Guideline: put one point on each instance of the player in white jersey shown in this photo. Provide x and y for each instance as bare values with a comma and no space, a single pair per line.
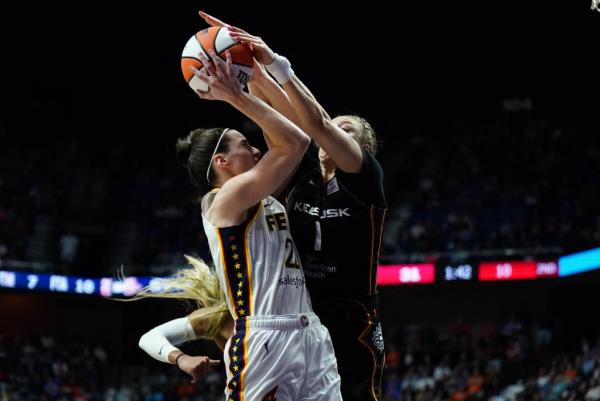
279,348
256,262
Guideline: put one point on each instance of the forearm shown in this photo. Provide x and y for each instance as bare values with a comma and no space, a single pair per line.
173,355
254,89
276,97
160,342
280,132
342,148
310,113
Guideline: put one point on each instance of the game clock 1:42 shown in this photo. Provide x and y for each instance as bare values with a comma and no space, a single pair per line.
463,272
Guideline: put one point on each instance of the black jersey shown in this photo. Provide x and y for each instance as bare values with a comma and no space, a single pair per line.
337,226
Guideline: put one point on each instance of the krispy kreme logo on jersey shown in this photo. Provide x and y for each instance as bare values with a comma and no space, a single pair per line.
324,214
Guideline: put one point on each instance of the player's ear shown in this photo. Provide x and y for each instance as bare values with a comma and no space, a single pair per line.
221,160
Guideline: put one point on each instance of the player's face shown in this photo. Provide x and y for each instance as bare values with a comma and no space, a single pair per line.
241,155
348,125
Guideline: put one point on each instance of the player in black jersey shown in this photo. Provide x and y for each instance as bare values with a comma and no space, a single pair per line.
337,207
337,217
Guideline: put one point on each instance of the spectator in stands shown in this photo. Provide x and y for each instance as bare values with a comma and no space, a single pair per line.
68,246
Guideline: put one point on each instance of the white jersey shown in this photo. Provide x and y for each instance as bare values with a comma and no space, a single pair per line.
257,263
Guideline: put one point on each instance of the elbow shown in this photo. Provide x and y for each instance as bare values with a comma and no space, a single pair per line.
297,140
300,143
303,142
143,342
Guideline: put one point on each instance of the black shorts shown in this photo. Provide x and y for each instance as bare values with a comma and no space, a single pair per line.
358,343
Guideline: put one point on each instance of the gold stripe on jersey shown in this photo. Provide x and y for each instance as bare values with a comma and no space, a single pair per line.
224,264
227,360
245,359
235,258
372,391
372,246
238,357
377,219
248,261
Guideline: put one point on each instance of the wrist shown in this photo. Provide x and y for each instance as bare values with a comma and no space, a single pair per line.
177,359
258,80
271,56
280,69
234,99
240,100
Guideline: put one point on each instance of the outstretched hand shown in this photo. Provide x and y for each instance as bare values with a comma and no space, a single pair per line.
196,366
262,53
259,73
218,76
212,21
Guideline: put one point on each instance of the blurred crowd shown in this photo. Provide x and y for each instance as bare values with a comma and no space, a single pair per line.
513,359
521,181
517,180
67,369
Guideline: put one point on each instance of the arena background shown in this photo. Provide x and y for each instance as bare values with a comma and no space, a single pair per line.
488,116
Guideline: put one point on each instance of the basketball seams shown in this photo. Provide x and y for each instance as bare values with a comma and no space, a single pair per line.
201,47
226,48
214,37
195,59
214,46
229,47
215,40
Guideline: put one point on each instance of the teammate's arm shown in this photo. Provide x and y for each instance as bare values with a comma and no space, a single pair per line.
160,343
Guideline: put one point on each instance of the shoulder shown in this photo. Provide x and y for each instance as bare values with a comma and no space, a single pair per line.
367,184
370,166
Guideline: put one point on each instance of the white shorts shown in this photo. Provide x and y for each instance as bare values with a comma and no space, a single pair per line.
283,358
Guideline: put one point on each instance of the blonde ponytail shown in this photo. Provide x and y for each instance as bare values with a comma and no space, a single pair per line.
198,284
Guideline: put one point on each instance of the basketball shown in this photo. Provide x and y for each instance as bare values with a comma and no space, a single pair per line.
219,40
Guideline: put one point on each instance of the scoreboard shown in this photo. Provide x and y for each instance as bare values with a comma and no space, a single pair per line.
105,286
400,274
397,274
491,271
485,271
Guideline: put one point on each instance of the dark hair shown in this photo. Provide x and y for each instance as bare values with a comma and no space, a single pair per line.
194,152
368,139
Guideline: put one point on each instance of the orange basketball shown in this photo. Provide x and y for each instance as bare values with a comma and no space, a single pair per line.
217,39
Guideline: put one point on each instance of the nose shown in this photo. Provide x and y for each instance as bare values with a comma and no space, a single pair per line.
256,153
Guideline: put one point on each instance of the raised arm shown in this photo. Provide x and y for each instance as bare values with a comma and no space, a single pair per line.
261,84
307,112
287,141
340,146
